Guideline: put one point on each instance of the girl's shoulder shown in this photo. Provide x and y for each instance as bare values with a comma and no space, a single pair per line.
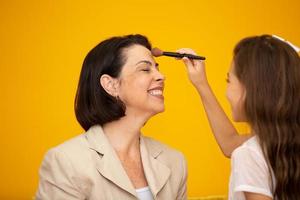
251,146
249,154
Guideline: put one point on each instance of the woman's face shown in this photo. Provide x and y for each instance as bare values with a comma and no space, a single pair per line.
141,84
235,94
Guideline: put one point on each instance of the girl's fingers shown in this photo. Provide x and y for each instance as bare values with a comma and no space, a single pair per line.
189,63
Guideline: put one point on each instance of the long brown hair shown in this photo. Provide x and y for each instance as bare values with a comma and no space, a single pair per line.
269,69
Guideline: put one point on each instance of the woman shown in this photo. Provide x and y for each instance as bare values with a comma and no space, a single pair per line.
264,91
119,90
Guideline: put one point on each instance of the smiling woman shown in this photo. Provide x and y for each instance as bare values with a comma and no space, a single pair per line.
120,88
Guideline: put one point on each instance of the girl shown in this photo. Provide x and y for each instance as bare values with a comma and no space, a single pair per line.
264,91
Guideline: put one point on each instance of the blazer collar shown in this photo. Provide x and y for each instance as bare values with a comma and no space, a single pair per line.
111,168
157,173
108,163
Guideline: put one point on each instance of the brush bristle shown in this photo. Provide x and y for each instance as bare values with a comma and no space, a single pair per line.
156,52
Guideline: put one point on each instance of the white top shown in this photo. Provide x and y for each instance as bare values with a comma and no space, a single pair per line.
249,171
144,193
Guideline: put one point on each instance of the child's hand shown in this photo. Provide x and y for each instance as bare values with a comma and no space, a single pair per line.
195,68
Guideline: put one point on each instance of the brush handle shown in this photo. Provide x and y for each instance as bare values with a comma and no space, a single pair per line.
179,55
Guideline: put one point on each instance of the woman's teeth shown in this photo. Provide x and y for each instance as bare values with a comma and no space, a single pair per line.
156,92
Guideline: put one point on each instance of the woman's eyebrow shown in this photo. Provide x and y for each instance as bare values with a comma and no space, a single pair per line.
147,62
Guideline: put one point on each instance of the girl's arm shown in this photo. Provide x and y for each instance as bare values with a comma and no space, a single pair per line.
224,132
254,196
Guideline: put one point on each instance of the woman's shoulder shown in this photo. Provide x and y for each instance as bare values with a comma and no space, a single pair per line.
74,150
77,143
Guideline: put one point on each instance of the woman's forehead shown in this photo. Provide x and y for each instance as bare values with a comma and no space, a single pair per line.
136,54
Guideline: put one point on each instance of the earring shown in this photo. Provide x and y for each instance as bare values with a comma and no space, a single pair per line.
118,98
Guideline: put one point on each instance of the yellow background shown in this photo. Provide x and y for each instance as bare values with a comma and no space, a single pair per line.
43,44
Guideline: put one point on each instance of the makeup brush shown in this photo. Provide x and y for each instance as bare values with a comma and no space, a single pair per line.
157,52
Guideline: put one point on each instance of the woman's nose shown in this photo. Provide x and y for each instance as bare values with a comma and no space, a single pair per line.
159,76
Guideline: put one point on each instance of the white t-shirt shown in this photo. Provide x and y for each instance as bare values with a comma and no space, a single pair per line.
144,193
249,171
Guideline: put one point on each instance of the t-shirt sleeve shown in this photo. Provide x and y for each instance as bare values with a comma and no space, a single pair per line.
249,173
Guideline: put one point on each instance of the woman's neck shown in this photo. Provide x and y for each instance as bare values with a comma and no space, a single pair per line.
124,134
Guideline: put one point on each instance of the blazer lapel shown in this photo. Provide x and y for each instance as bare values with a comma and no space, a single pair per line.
108,163
156,172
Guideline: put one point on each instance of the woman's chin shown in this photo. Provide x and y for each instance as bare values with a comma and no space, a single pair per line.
158,110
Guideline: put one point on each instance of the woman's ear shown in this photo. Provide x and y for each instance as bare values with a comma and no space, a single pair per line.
109,84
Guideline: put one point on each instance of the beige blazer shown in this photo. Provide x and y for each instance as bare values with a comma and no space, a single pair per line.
87,167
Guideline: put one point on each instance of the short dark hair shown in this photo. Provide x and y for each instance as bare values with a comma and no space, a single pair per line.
93,105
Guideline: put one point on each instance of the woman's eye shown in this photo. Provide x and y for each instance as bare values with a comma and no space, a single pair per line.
146,70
